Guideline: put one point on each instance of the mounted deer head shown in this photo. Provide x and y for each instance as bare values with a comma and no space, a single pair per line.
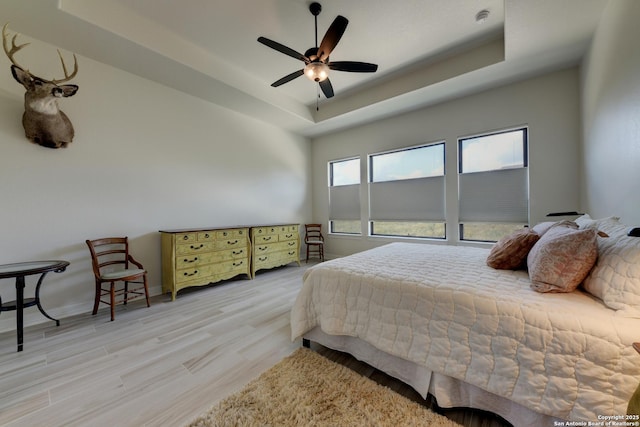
44,123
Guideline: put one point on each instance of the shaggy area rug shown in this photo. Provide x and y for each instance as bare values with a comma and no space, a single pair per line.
306,389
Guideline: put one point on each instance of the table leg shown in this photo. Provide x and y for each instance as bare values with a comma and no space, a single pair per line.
19,308
38,300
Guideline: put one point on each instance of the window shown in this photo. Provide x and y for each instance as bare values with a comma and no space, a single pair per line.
493,184
406,192
344,196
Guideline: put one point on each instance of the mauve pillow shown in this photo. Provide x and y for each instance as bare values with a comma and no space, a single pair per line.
561,259
510,252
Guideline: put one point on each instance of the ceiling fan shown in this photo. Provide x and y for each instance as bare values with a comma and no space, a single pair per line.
316,59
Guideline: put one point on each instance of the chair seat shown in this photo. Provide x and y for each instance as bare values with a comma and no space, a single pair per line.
314,242
115,275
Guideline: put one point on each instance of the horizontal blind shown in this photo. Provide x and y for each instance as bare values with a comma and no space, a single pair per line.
420,199
344,202
494,196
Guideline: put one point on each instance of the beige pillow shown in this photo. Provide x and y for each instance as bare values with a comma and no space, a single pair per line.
615,278
561,259
510,252
606,225
543,227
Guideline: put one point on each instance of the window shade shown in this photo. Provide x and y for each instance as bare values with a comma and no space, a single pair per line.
344,202
420,199
494,196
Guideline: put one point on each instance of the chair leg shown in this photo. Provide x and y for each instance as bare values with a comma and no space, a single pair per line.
96,301
113,301
126,293
321,252
307,260
146,289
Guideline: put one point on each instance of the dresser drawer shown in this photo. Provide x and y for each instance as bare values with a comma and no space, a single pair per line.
195,247
231,234
268,238
198,274
266,248
261,261
274,259
186,238
200,259
288,235
233,265
212,272
264,231
231,243
206,236
194,260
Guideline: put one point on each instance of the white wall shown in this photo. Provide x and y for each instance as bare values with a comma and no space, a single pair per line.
549,105
611,111
144,158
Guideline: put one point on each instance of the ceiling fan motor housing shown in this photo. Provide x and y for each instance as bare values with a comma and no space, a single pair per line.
315,8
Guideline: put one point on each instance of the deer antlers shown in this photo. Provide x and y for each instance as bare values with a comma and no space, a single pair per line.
15,48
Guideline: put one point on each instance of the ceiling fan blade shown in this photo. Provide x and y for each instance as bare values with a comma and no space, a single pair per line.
353,66
288,78
283,49
332,37
326,87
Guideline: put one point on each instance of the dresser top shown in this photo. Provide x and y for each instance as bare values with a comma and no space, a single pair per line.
193,230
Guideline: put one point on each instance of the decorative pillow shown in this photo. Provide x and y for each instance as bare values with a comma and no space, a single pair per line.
510,252
543,227
603,224
615,278
561,259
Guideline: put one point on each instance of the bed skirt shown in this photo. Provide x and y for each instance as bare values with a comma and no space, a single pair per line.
449,392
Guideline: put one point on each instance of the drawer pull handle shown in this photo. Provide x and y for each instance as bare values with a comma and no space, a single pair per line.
206,236
291,252
238,252
266,239
197,247
263,258
191,274
292,243
229,242
289,236
235,264
185,237
263,248
191,260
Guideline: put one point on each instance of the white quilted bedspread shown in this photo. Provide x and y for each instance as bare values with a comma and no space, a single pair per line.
565,355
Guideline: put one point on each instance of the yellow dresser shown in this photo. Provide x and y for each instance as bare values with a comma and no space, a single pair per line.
199,257
274,245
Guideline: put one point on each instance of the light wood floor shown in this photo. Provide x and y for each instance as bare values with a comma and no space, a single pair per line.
163,365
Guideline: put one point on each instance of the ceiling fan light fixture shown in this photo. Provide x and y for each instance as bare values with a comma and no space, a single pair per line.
482,16
316,71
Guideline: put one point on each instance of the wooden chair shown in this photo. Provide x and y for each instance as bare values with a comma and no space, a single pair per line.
112,263
314,240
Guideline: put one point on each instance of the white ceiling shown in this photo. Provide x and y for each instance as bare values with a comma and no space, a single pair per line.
427,50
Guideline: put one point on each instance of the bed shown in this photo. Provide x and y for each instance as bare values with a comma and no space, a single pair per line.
440,319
